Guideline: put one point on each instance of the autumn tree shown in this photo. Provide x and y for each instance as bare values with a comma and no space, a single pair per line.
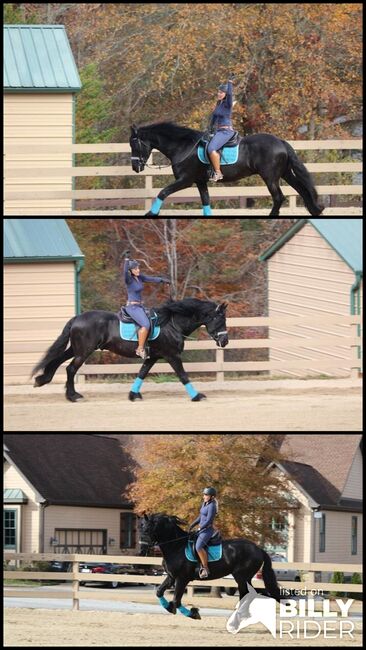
174,469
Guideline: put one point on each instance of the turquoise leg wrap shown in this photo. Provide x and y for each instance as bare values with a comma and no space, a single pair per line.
207,211
163,602
155,208
137,385
184,610
192,392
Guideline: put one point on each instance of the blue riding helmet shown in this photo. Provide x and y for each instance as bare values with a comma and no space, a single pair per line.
133,264
223,88
210,491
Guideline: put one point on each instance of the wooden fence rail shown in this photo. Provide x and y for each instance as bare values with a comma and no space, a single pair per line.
350,341
24,167
76,577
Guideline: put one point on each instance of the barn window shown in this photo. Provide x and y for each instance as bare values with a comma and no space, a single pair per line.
128,530
10,519
354,536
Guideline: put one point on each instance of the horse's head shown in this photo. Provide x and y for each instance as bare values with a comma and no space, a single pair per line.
158,528
140,150
216,325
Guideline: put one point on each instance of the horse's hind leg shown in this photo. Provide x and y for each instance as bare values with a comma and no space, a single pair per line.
71,371
50,369
242,578
277,196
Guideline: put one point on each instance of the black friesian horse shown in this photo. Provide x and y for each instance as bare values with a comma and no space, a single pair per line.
262,154
99,330
240,557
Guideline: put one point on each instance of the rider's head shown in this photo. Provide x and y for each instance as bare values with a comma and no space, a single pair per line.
221,92
134,268
208,493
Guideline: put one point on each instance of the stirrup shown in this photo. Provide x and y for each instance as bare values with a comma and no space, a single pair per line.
141,353
216,176
204,573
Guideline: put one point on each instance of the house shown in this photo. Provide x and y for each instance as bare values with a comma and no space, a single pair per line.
315,270
65,493
42,266
325,471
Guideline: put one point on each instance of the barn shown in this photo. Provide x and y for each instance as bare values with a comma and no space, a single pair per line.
41,290
315,269
40,85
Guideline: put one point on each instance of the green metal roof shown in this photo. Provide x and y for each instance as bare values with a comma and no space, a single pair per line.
14,495
38,58
343,235
39,239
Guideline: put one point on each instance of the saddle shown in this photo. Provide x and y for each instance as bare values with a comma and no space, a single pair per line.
129,328
213,548
229,153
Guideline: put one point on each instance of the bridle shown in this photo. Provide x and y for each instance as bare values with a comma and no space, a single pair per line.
215,337
139,158
142,161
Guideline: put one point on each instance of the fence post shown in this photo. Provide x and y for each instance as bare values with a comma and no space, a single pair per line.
75,588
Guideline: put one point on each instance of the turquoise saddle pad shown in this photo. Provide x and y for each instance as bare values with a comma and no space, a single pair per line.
129,332
214,552
229,155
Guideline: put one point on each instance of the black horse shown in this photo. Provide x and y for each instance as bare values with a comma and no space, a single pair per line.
95,330
262,154
240,557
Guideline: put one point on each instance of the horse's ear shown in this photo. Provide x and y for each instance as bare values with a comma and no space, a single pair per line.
134,129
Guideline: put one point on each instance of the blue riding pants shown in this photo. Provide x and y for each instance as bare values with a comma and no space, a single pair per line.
139,316
221,137
203,538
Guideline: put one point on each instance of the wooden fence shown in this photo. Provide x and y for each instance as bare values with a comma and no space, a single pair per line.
76,577
349,357
20,175
22,353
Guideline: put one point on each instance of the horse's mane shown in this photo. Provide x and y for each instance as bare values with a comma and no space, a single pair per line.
171,518
186,307
172,130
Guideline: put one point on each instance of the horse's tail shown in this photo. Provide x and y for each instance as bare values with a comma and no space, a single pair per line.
269,577
299,178
56,349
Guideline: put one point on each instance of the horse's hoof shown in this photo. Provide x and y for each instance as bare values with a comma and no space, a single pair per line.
75,397
195,613
171,608
39,381
134,396
199,397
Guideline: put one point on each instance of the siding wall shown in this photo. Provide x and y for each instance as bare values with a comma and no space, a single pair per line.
307,277
39,299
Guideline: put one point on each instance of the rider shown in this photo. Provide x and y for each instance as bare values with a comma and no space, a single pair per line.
205,520
221,123
135,283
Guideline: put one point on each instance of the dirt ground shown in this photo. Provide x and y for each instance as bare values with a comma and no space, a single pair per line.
282,405
39,627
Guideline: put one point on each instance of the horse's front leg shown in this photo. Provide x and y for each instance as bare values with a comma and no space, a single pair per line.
180,585
167,584
177,365
205,198
144,371
179,184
